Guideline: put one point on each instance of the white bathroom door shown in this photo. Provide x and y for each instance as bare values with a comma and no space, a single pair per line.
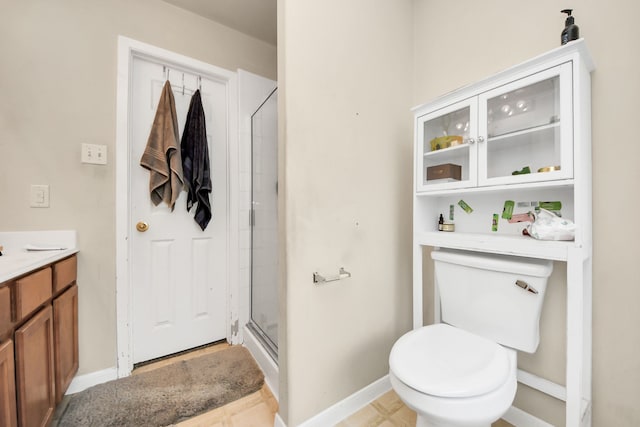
178,272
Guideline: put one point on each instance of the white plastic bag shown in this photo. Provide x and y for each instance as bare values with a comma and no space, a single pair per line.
549,226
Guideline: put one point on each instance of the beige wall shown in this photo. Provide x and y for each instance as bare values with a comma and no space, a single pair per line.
463,41
345,70
58,86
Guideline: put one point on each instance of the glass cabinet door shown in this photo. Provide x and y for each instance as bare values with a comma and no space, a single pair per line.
525,130
447,156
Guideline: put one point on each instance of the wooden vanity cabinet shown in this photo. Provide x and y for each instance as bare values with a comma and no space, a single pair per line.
38,343
8,416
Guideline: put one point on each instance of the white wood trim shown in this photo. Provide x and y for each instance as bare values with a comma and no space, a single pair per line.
83,382
538,383
519,418
575,336
418,316
127,50
350,405
278,422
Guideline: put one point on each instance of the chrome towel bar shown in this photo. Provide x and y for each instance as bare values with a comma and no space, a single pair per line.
342,274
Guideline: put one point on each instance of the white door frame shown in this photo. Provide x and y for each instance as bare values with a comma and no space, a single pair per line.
127,50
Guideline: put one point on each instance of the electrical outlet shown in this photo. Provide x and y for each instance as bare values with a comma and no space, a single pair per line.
39,197
94,154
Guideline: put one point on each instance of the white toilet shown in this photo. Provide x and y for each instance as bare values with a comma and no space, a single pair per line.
463,372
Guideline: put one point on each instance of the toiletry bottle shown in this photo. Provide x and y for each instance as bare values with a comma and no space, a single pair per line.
440,222
571,30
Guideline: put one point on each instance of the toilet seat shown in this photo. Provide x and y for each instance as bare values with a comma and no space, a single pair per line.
441,360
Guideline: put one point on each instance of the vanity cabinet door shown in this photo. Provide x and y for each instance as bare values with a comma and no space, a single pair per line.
526,129
446,147
65,336
34,370
7,386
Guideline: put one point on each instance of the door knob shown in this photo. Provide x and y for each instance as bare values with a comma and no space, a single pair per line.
142,226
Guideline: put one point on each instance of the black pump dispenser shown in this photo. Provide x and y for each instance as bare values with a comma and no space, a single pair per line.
571,30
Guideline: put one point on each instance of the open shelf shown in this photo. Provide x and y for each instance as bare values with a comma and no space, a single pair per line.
502,187
445,151
527,131
499,244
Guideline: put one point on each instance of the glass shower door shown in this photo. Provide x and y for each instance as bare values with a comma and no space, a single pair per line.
264,223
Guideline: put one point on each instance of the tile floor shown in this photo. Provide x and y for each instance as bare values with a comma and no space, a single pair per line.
389,411
258,409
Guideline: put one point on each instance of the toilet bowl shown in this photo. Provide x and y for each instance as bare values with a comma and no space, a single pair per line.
452,377
462,372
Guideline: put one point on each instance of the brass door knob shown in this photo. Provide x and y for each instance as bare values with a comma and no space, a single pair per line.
142,226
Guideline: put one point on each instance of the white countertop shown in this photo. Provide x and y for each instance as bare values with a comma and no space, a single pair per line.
17,260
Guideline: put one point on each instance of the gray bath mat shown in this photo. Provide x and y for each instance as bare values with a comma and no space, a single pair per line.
167,395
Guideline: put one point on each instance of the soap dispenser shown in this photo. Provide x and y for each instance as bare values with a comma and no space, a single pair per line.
571,30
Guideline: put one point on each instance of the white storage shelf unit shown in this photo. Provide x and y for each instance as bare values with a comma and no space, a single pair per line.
550,125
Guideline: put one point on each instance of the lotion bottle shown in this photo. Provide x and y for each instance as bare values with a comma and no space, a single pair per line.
571,30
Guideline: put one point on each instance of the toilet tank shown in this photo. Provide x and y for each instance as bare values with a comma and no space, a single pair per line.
496,296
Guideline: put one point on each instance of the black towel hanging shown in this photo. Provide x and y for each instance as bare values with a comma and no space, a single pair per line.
195,162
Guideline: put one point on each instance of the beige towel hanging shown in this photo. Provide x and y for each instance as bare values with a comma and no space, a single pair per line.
162,154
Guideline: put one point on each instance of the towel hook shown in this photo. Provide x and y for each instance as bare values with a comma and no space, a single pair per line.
183,83
200,83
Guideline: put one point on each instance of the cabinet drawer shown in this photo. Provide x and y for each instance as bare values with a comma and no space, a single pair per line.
32,291
64,273
6,317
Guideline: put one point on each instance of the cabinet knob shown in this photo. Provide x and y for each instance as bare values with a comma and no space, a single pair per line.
481,139
471,141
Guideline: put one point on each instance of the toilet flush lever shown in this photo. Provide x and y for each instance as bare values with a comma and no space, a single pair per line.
524,285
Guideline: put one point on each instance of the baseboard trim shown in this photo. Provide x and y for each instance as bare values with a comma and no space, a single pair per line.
350,405
518,417
264,360
83,382
277,422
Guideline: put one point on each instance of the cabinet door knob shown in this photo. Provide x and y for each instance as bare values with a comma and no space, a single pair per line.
481,139
471,141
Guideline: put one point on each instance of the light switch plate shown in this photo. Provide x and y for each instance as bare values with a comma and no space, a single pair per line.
39,197
94,154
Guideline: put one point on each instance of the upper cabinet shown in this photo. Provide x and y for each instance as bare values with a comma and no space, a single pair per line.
521,136
514,128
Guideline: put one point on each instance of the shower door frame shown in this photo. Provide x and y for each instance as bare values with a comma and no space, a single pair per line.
270,347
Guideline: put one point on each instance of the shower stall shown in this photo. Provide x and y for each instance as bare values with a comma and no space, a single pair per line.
263,321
